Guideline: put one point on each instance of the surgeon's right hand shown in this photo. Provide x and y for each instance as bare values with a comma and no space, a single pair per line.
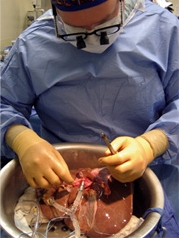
42,164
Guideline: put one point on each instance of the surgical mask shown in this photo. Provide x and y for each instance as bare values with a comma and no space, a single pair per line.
92,41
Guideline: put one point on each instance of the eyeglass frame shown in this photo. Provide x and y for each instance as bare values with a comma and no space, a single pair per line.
85,33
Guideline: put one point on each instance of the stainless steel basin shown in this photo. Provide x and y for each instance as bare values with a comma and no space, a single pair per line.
148,192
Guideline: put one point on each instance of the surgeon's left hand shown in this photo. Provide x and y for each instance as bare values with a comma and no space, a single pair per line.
134,154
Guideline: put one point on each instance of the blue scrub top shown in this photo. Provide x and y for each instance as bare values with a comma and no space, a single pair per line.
131,88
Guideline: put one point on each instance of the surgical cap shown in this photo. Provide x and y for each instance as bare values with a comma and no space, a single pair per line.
75,5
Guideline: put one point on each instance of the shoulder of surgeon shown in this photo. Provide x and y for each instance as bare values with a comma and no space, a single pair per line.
152,8
43,24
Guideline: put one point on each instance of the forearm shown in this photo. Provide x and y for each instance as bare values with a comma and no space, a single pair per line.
168,123
20,138
12,132
157,140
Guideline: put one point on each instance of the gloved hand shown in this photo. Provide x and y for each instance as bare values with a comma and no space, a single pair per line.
42,164
134,154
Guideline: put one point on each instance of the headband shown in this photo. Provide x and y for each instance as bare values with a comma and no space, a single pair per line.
75,5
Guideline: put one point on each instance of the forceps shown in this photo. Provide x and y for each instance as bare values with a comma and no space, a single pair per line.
104,137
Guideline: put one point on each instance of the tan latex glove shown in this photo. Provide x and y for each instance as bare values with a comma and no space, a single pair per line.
134,154
42,164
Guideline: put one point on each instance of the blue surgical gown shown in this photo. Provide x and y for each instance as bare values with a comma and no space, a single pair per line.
129,89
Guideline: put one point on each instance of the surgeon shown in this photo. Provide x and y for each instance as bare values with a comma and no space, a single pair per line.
87,67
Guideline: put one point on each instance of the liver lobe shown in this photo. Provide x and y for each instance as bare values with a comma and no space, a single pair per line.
106,205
